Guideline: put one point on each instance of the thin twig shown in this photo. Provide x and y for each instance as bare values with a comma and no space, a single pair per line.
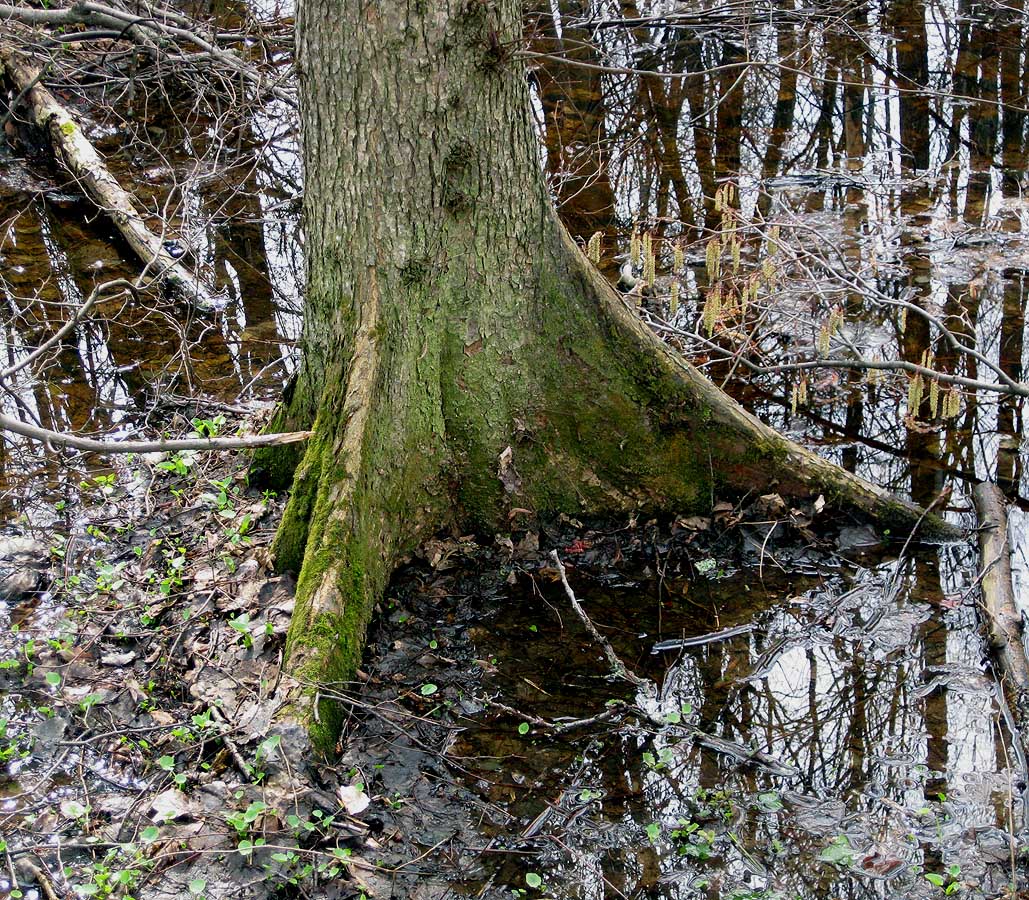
618,668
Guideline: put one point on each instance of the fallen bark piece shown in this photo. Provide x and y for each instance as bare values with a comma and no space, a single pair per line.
1004,619
76,154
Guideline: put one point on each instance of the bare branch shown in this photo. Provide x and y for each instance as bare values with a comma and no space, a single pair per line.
91,445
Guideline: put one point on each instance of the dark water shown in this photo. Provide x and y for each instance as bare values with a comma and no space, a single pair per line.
859,746
137,363
864,157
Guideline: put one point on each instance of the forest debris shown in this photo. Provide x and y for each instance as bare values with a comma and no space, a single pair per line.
618,668
1004,620
115,447
700,640
118,659
75,152
648,703
507,473
22,560
354,799
172,804
745,754
151,32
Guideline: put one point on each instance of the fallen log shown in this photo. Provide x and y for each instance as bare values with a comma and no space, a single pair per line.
80,158
1004,621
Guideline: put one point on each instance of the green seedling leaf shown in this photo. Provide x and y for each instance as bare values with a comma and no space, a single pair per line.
839,852
769,801
268,746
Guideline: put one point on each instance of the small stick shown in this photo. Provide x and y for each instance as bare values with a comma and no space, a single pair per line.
221,723
12,872
39,876
618,668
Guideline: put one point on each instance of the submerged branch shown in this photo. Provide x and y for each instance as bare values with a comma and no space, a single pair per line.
67,327
618,668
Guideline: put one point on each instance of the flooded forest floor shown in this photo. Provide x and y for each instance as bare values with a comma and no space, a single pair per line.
807,707
816,730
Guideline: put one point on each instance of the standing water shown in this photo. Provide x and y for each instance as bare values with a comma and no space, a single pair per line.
814,185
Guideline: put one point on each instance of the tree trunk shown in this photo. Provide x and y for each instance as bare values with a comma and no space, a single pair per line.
463,362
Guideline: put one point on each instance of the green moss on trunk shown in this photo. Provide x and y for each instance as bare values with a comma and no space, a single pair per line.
450,317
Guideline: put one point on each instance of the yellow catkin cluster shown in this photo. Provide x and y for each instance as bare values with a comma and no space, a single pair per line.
634,248
934,398
951,404
712,309
649,260
822,343
828,329
593,248
902,320
673,300
678,260
916,387
798,396
755,287
713,258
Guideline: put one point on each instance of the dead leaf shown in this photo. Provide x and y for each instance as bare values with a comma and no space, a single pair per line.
528,545
694,523
161,717
354,800
771,505
507,473
117,659
172,804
